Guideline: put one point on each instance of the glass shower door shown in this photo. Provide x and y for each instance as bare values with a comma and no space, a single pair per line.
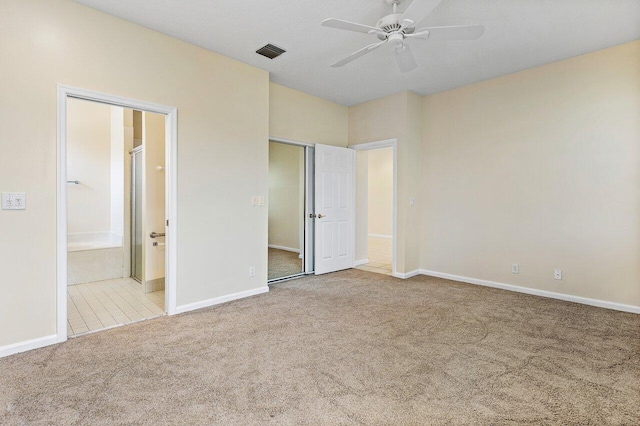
136,214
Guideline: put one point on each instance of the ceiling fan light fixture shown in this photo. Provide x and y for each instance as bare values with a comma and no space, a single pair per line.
399,48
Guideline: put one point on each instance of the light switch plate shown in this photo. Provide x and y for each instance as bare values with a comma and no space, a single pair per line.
14,201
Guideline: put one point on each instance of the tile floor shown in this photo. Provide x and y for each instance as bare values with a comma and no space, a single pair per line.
102,304
379,253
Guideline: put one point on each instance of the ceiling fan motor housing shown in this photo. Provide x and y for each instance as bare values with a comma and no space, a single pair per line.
390,24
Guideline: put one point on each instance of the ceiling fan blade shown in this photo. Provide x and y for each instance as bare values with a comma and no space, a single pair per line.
417,11
405,58
350,26
357,54
459,32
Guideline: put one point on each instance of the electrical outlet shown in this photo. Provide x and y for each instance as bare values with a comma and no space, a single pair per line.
412,201
14,201
252,271
254,200
515,269
557,274
261,200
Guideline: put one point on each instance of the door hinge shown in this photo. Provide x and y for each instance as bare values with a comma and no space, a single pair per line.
167,222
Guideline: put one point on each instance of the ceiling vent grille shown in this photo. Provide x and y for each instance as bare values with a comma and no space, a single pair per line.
270,51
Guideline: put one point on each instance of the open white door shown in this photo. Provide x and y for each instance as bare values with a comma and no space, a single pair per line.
334,208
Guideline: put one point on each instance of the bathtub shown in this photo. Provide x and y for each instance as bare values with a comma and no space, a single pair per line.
94,257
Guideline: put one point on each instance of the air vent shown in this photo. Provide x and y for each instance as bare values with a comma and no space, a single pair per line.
270,51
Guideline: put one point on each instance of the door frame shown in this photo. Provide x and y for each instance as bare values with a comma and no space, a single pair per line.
171,196
309,208
386,143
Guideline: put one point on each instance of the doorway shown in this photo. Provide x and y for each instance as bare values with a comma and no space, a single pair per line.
290,235
116,198
376,207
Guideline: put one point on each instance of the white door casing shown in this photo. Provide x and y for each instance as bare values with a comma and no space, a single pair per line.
334,208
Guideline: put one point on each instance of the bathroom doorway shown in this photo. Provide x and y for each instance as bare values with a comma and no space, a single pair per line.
115,202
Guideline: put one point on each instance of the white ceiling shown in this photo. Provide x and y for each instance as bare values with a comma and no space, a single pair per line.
519,34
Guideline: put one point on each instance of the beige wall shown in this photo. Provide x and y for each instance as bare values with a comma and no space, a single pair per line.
117,134
539,168
223,114
380,192
153,198
286,195
89,162
138,127
304,118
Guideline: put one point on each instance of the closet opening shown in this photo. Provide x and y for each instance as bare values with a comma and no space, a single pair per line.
290,202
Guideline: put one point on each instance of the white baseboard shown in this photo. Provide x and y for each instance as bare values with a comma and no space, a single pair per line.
406,275
360,262
40,342
379,236
273,246
222,299
542,293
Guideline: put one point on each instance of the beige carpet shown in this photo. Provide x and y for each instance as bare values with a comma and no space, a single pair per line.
283,263
347,348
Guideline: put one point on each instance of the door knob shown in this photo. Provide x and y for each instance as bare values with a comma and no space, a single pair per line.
320,216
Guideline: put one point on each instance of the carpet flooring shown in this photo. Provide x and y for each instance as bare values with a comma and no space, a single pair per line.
352,347
283,263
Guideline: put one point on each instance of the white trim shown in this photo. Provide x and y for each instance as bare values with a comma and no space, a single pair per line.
40,342
61,220
222,299
171,176
287,278
273,246
360,262
309,210
291,142
542,293
404,276
386,143
379,236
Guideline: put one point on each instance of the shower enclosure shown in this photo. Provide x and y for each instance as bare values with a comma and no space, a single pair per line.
136,213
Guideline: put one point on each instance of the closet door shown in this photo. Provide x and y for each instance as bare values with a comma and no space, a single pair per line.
334,208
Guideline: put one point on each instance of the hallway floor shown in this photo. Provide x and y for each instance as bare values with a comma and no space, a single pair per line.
98,305
379,253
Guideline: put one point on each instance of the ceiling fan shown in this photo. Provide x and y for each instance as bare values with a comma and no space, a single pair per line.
399,28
